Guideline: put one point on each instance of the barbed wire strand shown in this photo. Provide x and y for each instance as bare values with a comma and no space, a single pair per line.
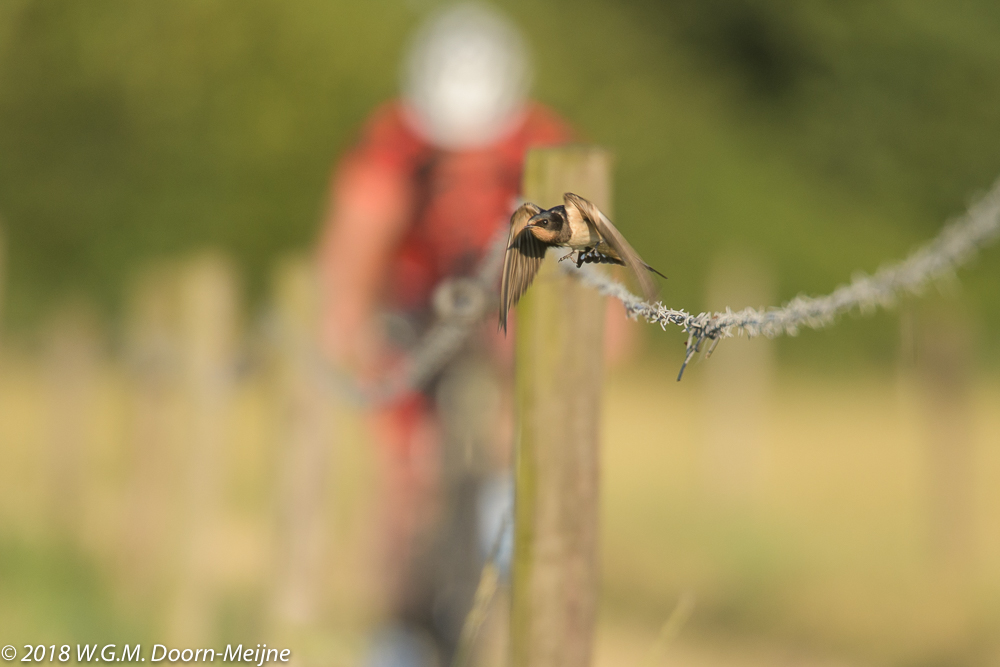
461,310
955,245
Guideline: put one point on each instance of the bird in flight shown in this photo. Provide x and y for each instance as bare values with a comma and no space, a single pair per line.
578,225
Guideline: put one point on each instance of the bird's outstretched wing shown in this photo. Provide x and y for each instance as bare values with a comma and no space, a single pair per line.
520,264
610,234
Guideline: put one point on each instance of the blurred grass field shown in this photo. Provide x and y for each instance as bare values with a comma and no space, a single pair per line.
825,554
832,552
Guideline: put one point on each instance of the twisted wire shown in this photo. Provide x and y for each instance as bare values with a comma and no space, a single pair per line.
955,245
463,308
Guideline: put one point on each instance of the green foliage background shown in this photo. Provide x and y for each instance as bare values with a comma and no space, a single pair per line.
825,136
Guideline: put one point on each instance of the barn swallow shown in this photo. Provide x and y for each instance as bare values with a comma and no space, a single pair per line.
578,225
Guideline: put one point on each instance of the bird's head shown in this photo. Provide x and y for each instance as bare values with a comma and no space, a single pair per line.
547,225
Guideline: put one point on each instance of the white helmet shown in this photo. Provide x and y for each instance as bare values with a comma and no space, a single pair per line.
466,78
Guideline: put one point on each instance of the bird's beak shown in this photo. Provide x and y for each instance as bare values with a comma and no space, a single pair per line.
535,219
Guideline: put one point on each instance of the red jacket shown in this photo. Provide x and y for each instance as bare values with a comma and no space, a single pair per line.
406,214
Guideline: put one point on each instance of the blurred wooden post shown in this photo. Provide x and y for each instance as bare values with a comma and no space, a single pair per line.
151,352
304,447
944,365
72,355
208,316
559,331
736,386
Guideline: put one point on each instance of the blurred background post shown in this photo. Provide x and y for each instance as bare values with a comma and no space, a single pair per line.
209,329
736,387
72,365
304,452
945,348
151,352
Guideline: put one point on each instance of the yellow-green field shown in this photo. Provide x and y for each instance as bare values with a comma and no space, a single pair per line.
837,544
812,521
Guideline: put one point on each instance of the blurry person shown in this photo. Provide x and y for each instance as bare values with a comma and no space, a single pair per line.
415,204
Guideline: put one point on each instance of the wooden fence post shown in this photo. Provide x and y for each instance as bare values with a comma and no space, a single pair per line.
945,365
736,386
559,332
208,305
72,358
304,454
152,351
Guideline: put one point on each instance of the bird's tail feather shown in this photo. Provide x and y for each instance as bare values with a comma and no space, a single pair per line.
655,271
